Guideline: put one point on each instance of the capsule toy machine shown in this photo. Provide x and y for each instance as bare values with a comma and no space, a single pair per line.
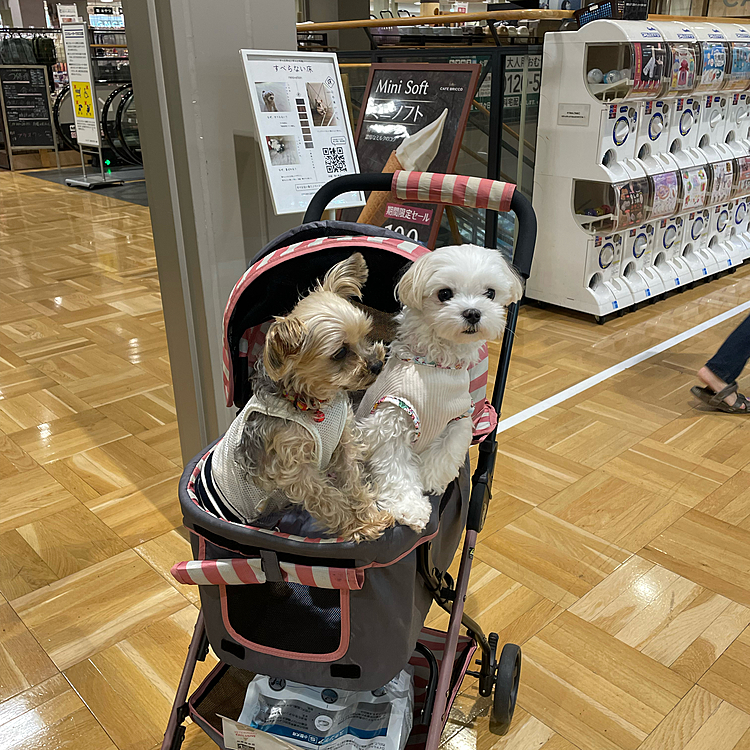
713,62
596,114
593,81
710,252
695,240
638,257
739,236
668,261
653,135
623,91
634,201
605,212
721,210
737,81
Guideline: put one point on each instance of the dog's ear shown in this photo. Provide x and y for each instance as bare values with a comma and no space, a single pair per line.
284,339
347,277
515,282
411,285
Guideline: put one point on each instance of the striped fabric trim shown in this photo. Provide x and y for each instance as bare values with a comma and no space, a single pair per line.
403,248
197,493
242,571
453,189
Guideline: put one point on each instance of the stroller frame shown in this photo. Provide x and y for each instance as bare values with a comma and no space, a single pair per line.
498,673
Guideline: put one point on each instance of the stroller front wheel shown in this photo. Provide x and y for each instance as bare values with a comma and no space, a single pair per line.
506,688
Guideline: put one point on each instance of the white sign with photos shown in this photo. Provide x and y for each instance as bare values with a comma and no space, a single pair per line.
302,125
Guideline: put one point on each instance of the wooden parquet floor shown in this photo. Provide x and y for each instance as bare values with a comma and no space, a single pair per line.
616,551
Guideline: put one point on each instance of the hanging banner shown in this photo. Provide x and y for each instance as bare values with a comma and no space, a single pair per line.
83,91
413,117
302,125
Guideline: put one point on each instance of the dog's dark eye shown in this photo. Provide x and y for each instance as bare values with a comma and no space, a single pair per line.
490,293
341,353
445,294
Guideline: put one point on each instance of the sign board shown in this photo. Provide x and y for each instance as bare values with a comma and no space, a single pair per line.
83,90
513,84
302,125
67,13
26,106
736,8
416,115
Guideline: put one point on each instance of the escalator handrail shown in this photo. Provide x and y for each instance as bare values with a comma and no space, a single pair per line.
108,135
65,137
118,122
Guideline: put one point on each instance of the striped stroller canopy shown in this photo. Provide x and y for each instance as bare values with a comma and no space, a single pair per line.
274,282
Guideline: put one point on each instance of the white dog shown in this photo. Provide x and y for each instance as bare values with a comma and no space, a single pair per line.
416,417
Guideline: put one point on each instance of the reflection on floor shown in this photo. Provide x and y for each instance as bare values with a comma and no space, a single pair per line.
133,190
616,550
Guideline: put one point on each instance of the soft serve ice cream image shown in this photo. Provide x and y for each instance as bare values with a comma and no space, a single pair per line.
414,154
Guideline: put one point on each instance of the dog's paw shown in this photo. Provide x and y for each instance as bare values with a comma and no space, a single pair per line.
414,510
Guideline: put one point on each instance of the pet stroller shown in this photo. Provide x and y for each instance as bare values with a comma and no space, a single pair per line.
326,612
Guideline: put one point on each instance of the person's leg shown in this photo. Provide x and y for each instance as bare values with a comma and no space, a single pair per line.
726,365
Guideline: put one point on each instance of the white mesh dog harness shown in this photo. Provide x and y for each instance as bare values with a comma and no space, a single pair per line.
230,481
432,396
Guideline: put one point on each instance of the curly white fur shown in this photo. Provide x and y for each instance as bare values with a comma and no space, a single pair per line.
454,300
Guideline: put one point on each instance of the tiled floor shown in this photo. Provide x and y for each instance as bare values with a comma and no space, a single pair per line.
617,548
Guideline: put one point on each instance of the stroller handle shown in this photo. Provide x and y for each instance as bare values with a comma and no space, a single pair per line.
455,190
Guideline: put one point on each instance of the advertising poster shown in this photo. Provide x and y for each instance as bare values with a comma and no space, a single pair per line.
649,64
683,67
413,117
740,73
721,182
714,64
302,125
743,175
665,194
694,188
85,111
631,202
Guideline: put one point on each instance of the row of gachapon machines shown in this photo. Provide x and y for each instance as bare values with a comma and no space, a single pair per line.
669,87
657,233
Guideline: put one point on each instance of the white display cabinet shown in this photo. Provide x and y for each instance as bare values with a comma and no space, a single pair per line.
629,170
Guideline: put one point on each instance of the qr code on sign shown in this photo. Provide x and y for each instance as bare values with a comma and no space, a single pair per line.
244,745
334,159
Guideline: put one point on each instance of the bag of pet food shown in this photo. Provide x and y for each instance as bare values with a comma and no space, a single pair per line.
313,718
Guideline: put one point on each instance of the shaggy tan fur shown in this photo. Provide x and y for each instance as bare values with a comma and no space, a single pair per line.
320,349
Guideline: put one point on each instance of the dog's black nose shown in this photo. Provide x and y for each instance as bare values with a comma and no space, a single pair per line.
375,366
472,315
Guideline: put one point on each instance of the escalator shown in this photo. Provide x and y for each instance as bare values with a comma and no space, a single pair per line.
118,117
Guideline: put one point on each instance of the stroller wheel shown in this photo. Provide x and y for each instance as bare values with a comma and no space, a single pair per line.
506,688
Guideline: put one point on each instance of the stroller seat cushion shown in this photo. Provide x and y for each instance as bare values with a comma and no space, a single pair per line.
231,493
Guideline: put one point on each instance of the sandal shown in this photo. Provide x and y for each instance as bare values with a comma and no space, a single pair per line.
716,400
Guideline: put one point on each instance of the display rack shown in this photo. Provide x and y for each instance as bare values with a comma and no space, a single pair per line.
643,161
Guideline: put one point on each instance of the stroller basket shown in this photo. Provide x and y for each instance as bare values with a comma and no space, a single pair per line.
323,611
222,693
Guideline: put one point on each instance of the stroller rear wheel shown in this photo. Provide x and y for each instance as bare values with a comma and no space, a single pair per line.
506,688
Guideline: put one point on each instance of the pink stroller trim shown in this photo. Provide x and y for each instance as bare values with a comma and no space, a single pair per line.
240,571
400,247
337,654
